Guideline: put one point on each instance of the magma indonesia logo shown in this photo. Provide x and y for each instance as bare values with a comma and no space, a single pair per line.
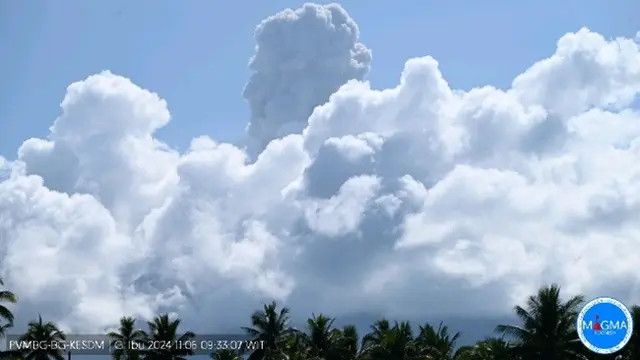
604,325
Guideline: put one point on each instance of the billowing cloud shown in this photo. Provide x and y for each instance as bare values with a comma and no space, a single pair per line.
102,144
586,71
343,212
302,56
64,255
393,201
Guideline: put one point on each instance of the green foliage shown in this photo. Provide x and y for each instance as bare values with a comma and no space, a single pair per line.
546,331
271,327
437,343
164,330
40,331
489,349
225,354
323,341
5,313
386,342
122,341
547,327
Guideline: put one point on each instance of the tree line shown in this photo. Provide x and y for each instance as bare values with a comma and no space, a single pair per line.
546,330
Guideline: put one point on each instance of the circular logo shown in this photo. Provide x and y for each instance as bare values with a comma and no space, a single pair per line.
604,325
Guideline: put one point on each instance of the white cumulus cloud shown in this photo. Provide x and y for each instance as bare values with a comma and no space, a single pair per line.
302,56
354,199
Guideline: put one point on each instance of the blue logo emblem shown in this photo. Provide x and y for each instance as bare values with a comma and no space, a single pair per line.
604,325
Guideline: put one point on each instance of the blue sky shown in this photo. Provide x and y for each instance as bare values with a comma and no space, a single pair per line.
195,53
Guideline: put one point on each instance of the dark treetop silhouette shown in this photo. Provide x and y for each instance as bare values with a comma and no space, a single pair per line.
546,331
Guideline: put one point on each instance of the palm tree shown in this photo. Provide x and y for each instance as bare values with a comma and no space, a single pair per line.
122,340
271,327
489,349
437,343
378,329
295,346
45,332
5,314
328,343
163,330
548,327
225,354
632,351
321,339
390,343
347,343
